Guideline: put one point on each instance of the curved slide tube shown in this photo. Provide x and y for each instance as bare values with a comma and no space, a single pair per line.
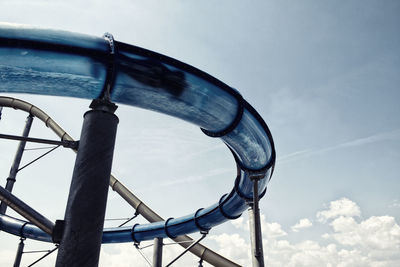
59,63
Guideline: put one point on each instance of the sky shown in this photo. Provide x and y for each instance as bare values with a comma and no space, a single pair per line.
324,75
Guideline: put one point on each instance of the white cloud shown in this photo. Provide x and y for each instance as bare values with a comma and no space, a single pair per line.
341,207
303,223
272,230
233,247
240,223
375,233
350,241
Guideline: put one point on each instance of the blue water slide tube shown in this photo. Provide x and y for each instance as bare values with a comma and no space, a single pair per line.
59,63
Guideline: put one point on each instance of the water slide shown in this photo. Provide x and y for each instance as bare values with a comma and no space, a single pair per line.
48,62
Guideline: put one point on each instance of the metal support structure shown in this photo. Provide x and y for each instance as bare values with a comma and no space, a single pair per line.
204,234
255,228
157,252
26,211
20,250
130,219
184,240
64,143
85,211
44,256
17,160
41,156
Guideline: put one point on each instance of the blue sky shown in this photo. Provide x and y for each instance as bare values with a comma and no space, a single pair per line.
324,75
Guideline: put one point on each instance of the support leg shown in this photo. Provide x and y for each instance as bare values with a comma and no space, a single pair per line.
255,229
20,250
84,215
157,252
17,160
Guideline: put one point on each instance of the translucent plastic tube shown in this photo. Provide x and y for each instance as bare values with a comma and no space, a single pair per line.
48,62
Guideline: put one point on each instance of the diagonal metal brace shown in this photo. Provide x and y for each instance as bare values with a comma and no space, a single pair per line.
204,234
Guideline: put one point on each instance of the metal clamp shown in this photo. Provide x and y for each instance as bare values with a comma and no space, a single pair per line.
110,39
22,230
110,76
222,202
196,222
166,228
133,234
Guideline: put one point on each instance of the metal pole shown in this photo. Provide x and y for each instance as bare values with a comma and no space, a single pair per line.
17,160
157,252
20,250
84,215
255,229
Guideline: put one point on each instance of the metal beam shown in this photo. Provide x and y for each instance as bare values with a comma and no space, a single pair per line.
20,250
64,143
17,160
157,252
25,211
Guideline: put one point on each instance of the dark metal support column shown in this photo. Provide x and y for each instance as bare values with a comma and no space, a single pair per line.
157,252
85,211
20,250
17,160
255,229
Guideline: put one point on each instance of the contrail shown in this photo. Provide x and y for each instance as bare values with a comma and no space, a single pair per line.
379,137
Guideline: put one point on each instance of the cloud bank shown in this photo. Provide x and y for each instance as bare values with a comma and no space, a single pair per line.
349,241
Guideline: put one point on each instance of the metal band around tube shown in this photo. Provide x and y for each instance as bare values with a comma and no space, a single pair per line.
21,234
133,233
166,228
196,222
221,203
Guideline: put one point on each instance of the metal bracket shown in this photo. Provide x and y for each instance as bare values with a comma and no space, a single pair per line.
103,104
58,231
110,76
